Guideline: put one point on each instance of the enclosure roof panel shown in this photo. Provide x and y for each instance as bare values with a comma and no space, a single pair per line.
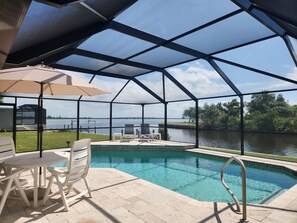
170,18
128,38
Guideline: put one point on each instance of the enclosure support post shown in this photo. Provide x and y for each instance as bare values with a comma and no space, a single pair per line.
241,125
197,123
40,121
165,121
14,122
38,125
142,116
291,49
165,106
77,120
110,121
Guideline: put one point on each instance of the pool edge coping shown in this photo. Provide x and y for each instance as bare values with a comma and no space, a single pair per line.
270,162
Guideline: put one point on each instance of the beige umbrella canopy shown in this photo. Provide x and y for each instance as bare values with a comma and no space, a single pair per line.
29,80
41,80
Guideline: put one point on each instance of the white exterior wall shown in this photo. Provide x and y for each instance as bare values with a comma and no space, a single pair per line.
6,119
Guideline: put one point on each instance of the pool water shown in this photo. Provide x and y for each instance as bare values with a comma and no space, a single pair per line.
197,175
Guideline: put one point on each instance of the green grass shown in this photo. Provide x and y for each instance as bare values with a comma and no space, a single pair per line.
261,155
27,141
270,156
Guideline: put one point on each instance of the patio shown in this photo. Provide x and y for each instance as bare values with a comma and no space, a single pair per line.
120,197
222,65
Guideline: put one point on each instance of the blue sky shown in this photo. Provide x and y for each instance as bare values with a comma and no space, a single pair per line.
197,76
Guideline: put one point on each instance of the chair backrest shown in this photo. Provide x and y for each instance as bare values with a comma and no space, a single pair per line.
129,129
145,129
7,148
79,161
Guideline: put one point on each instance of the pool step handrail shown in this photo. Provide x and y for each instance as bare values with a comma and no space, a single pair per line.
243,177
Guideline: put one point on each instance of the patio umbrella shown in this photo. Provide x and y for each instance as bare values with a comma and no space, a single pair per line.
42,79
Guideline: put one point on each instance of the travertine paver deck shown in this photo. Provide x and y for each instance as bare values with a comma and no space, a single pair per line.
120,197
138,142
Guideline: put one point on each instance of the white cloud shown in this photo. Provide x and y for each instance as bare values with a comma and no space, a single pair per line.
195,76
293,74
135,94
280,85
201,81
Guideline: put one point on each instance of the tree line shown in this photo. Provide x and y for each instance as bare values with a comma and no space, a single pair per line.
265,112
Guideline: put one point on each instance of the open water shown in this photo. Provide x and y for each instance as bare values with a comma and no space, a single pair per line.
277,144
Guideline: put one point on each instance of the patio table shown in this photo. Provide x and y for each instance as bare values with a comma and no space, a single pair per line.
33,161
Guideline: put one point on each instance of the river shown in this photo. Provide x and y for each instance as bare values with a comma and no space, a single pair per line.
277,144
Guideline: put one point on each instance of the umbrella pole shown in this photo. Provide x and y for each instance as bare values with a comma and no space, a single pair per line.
38,124
40,129
41,120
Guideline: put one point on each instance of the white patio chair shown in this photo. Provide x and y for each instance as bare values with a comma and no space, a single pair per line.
78,167
7,149
6,183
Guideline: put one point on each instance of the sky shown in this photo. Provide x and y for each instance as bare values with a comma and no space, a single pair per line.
197,76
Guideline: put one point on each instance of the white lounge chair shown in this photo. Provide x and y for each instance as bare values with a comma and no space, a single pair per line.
146,134
129,132
78,167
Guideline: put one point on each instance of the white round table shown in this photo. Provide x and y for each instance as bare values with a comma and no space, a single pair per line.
33,161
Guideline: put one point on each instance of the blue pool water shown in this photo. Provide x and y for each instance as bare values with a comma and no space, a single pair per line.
196,175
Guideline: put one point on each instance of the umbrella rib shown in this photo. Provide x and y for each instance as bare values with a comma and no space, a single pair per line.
54,78
83,91
49,86
11,85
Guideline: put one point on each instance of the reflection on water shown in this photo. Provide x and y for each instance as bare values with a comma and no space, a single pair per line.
278,144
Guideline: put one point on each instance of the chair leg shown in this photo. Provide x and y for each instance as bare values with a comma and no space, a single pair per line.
5,171
44,174
5,194
21,190
50,183
87,184
63,195
31,171
70,187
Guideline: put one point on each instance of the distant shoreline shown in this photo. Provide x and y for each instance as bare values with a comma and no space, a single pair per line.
115,118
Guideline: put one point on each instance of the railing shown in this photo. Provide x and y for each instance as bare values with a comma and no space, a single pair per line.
243,176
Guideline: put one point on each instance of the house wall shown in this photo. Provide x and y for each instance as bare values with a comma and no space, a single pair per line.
11,17
6,119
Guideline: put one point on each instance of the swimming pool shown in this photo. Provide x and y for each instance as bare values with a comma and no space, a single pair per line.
197,175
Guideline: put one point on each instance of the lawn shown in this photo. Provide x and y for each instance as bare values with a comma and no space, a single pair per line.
27,141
